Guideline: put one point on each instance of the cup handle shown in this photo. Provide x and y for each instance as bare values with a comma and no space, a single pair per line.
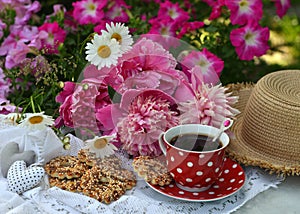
161,143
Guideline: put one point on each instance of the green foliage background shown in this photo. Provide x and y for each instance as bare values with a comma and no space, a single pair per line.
67,66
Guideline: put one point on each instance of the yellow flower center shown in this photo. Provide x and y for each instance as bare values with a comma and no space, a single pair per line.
202,63
36,119
92,7
104,51
117,37
100,143
243,3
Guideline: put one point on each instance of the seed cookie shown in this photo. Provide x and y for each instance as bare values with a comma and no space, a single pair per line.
152,170
65,167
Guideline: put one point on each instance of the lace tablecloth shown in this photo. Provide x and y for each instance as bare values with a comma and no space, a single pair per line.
141,199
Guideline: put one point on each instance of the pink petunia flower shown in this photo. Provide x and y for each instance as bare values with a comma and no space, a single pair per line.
4,85
24,11
243,11
208,64
55,36
117,13
19,34
2,27
148,114
189,27
89,11
6,107
250,41
16,55
210,106
216,9
282,6
172,10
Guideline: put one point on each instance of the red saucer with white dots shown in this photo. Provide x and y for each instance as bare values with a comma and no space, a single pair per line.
231,180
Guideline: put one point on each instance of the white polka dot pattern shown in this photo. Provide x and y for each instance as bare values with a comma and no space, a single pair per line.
226,185
20,178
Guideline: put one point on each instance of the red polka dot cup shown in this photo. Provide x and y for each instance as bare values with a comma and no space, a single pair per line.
193,171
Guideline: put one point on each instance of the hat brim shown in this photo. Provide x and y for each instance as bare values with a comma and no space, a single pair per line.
242,151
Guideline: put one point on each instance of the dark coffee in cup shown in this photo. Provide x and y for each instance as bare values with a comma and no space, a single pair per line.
195,142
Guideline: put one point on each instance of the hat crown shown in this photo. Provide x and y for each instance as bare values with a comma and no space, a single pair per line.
271,121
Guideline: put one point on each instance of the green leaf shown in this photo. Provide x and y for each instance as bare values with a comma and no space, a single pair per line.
114,95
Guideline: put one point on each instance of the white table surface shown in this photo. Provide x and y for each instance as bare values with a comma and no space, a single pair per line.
282,200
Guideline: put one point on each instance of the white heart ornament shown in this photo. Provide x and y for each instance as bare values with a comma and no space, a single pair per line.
20,178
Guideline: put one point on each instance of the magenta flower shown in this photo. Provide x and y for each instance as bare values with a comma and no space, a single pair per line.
88,11
148,115
16,55
208,64
6,107
2,27
147,55
216,9
210,106
68,90
172,10
116,12
243,11
4,85
282,6
250,41
189,27
24,11
18,35
55,36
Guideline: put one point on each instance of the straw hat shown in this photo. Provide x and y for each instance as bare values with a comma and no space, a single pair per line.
267,132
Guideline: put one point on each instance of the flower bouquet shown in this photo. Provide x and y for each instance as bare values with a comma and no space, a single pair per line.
135,90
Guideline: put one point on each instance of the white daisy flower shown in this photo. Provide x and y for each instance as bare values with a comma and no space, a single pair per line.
120,33
12,118
101,146
103,52
36,121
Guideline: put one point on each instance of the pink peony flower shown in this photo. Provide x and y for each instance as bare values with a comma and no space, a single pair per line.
148,115
210,106
149,55
68,90
88,11
55,36
282,6
244,11
250,41
209,65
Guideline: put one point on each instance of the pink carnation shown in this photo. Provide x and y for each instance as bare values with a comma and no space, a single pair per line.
250,41
244,11
148,115
210,106
55,36
88,11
